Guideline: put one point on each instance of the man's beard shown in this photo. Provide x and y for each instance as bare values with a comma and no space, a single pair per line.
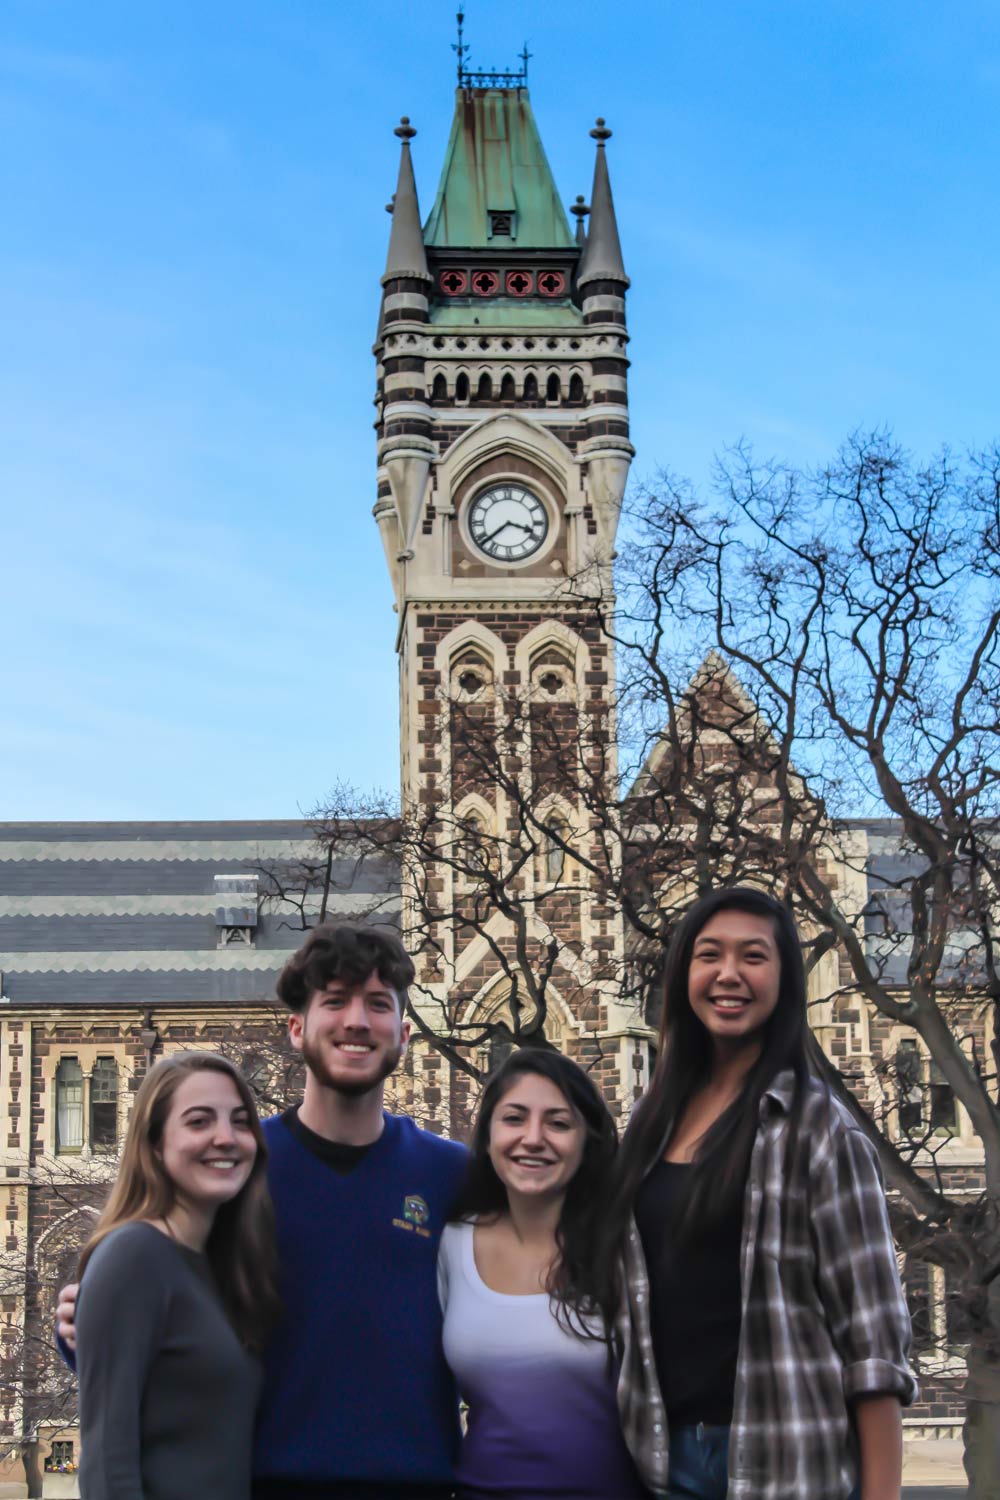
315,1061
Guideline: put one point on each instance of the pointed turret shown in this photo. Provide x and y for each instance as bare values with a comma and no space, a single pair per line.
403,423
602,255
406,255
601,283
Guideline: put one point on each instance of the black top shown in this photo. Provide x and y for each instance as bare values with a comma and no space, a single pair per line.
336,1154
167,1391
695,1302
298,1489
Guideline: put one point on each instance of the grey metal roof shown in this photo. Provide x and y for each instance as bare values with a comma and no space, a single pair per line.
112,913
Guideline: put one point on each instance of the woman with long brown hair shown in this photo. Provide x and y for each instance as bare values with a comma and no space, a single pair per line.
178,1293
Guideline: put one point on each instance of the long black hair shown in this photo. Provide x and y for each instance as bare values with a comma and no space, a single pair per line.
579,1289
719,1169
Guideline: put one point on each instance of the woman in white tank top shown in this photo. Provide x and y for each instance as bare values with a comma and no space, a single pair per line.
525,1316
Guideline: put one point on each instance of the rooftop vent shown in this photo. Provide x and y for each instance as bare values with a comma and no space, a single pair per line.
235,908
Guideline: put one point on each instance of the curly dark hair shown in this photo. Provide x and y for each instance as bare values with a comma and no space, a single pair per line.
579,1290
344,950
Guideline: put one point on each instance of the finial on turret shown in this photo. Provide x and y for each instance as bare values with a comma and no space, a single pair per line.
600,132
580,209
406,132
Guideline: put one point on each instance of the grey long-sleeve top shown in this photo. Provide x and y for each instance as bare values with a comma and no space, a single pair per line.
167,1392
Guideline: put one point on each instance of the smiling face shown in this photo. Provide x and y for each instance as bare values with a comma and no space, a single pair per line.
351,1035
207,1147
734,977
536,1138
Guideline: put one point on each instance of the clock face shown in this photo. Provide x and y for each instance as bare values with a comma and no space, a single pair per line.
508,522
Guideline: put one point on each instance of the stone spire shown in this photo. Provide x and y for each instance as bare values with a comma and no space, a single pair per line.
602,253
406,255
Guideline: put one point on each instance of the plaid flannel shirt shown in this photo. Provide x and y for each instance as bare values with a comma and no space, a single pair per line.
824,1318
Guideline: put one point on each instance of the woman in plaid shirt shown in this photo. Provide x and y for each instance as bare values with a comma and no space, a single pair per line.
766,1335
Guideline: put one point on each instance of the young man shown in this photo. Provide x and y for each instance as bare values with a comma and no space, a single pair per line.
358,1403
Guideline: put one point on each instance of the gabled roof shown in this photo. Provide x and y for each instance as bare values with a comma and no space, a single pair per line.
495,163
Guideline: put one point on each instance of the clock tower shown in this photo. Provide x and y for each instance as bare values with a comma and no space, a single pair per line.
503,452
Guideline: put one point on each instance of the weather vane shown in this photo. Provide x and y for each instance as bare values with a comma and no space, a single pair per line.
490,78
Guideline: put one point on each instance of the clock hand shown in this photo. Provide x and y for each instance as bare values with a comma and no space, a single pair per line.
503,527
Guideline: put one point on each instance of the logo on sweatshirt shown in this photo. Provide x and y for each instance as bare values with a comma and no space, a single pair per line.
415,1216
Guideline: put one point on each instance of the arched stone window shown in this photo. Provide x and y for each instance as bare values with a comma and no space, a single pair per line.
484,391
553,678
462,387
439,391
472,848
576,390
471,674
531,387
552,854
507,391
553,390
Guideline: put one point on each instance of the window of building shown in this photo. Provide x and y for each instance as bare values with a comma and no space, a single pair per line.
462,388
501,223
439,391
104,1105
501,1045
484,391
925,1099
507,391
531,388
918,1284
944,1110
552,388
963,1318
553,852
60,1460
909,1083
69,1105
576,390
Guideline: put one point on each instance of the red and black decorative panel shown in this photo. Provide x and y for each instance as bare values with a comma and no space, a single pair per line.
485,283
454,283
552,283
509,281
519,283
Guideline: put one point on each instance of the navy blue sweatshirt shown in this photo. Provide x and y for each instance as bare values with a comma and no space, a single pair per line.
356,1389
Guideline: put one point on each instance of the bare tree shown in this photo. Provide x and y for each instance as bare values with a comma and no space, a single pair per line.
811,683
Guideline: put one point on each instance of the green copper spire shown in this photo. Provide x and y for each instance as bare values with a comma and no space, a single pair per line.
496,187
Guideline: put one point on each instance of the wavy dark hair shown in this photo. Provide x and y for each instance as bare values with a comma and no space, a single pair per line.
345,950
580,1291
241,1246
719,1169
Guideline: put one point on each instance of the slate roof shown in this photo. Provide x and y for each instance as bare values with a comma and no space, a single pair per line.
96,914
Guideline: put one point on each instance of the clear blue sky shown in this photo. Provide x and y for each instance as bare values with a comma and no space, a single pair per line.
198,621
